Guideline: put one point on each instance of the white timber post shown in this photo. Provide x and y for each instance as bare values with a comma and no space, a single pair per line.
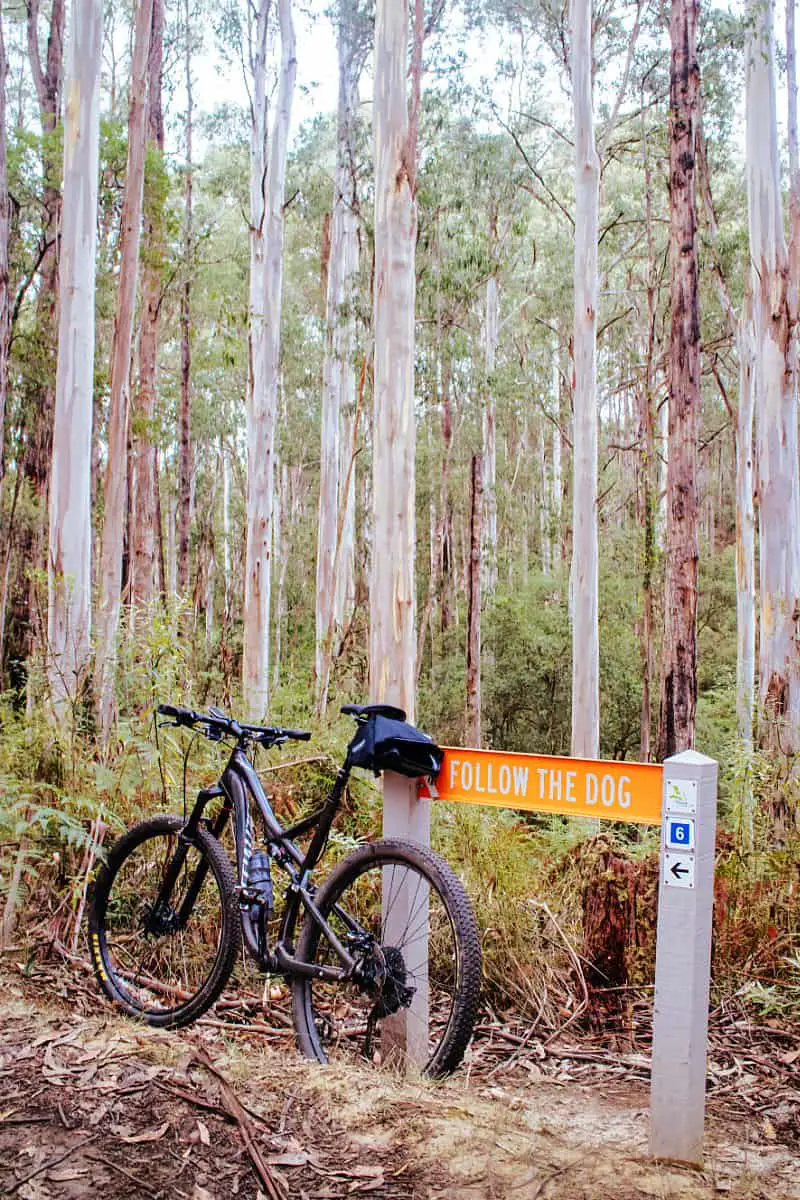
683,957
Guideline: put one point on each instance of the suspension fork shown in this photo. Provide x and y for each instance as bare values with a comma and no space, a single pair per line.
186,838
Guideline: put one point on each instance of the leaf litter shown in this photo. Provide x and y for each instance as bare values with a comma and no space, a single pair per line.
93,1104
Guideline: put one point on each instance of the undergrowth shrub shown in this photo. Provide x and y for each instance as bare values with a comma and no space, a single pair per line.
527,875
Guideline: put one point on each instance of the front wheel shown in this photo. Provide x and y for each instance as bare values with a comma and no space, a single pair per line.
164,958
404,916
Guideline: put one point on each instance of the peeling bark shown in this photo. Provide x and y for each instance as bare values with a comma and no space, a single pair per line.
392,646
144,549
679,655
392,592
48,85
185,402
267,187
335,552
776,404
584,575
5,213
489,417
116,475
473,729
69,559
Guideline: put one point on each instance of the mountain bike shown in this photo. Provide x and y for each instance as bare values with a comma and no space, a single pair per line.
382,957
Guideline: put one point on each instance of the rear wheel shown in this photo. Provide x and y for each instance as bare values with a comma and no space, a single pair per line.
383,902
166,963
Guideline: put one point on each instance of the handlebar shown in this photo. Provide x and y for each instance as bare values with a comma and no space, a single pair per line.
216,724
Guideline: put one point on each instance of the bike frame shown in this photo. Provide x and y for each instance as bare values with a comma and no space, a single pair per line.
239,781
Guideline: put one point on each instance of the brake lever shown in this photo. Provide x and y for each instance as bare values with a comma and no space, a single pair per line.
167,724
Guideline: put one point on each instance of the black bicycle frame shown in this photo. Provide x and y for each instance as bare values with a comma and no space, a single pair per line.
238,781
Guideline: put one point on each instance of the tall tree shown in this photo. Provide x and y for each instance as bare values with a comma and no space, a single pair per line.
116,481
679,655
5,207
392,645
392,588
185,402
47,81
69,572
473,730
774,318
144,485
584,576
337,486
267,185
489,414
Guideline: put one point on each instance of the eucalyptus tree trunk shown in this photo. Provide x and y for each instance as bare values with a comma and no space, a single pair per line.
47,81
5,212
115,482
794,166
392,644
556,479
776,401
144,549
226,528
69,558
473,730
267,184
545,522
335,551
647,460
679,653
745,534
438,580
392,591
584,576
489,415
185,401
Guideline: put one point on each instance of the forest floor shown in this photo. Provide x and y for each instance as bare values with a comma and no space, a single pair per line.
91,1104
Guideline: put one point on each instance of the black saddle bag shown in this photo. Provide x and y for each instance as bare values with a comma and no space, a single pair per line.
384,744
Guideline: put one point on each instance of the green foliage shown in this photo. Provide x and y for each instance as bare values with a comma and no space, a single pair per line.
527,643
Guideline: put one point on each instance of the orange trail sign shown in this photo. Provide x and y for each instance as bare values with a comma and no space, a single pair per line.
580,787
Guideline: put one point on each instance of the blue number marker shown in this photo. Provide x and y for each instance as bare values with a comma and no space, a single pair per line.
680,834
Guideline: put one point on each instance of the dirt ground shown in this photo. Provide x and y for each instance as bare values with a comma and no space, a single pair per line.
91,1104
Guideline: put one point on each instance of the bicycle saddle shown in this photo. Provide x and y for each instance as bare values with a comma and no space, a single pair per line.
368,710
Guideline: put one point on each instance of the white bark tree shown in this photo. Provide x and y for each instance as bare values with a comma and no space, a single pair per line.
5,213
268,150
145,531
489,417
745,536
584,575
556,481
116,476
336,529
392,646
185,402
776,401
69,557
392,596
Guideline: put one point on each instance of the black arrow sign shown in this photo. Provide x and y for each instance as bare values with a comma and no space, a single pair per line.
678,869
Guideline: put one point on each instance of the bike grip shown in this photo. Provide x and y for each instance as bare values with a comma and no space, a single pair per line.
184,716
298,735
